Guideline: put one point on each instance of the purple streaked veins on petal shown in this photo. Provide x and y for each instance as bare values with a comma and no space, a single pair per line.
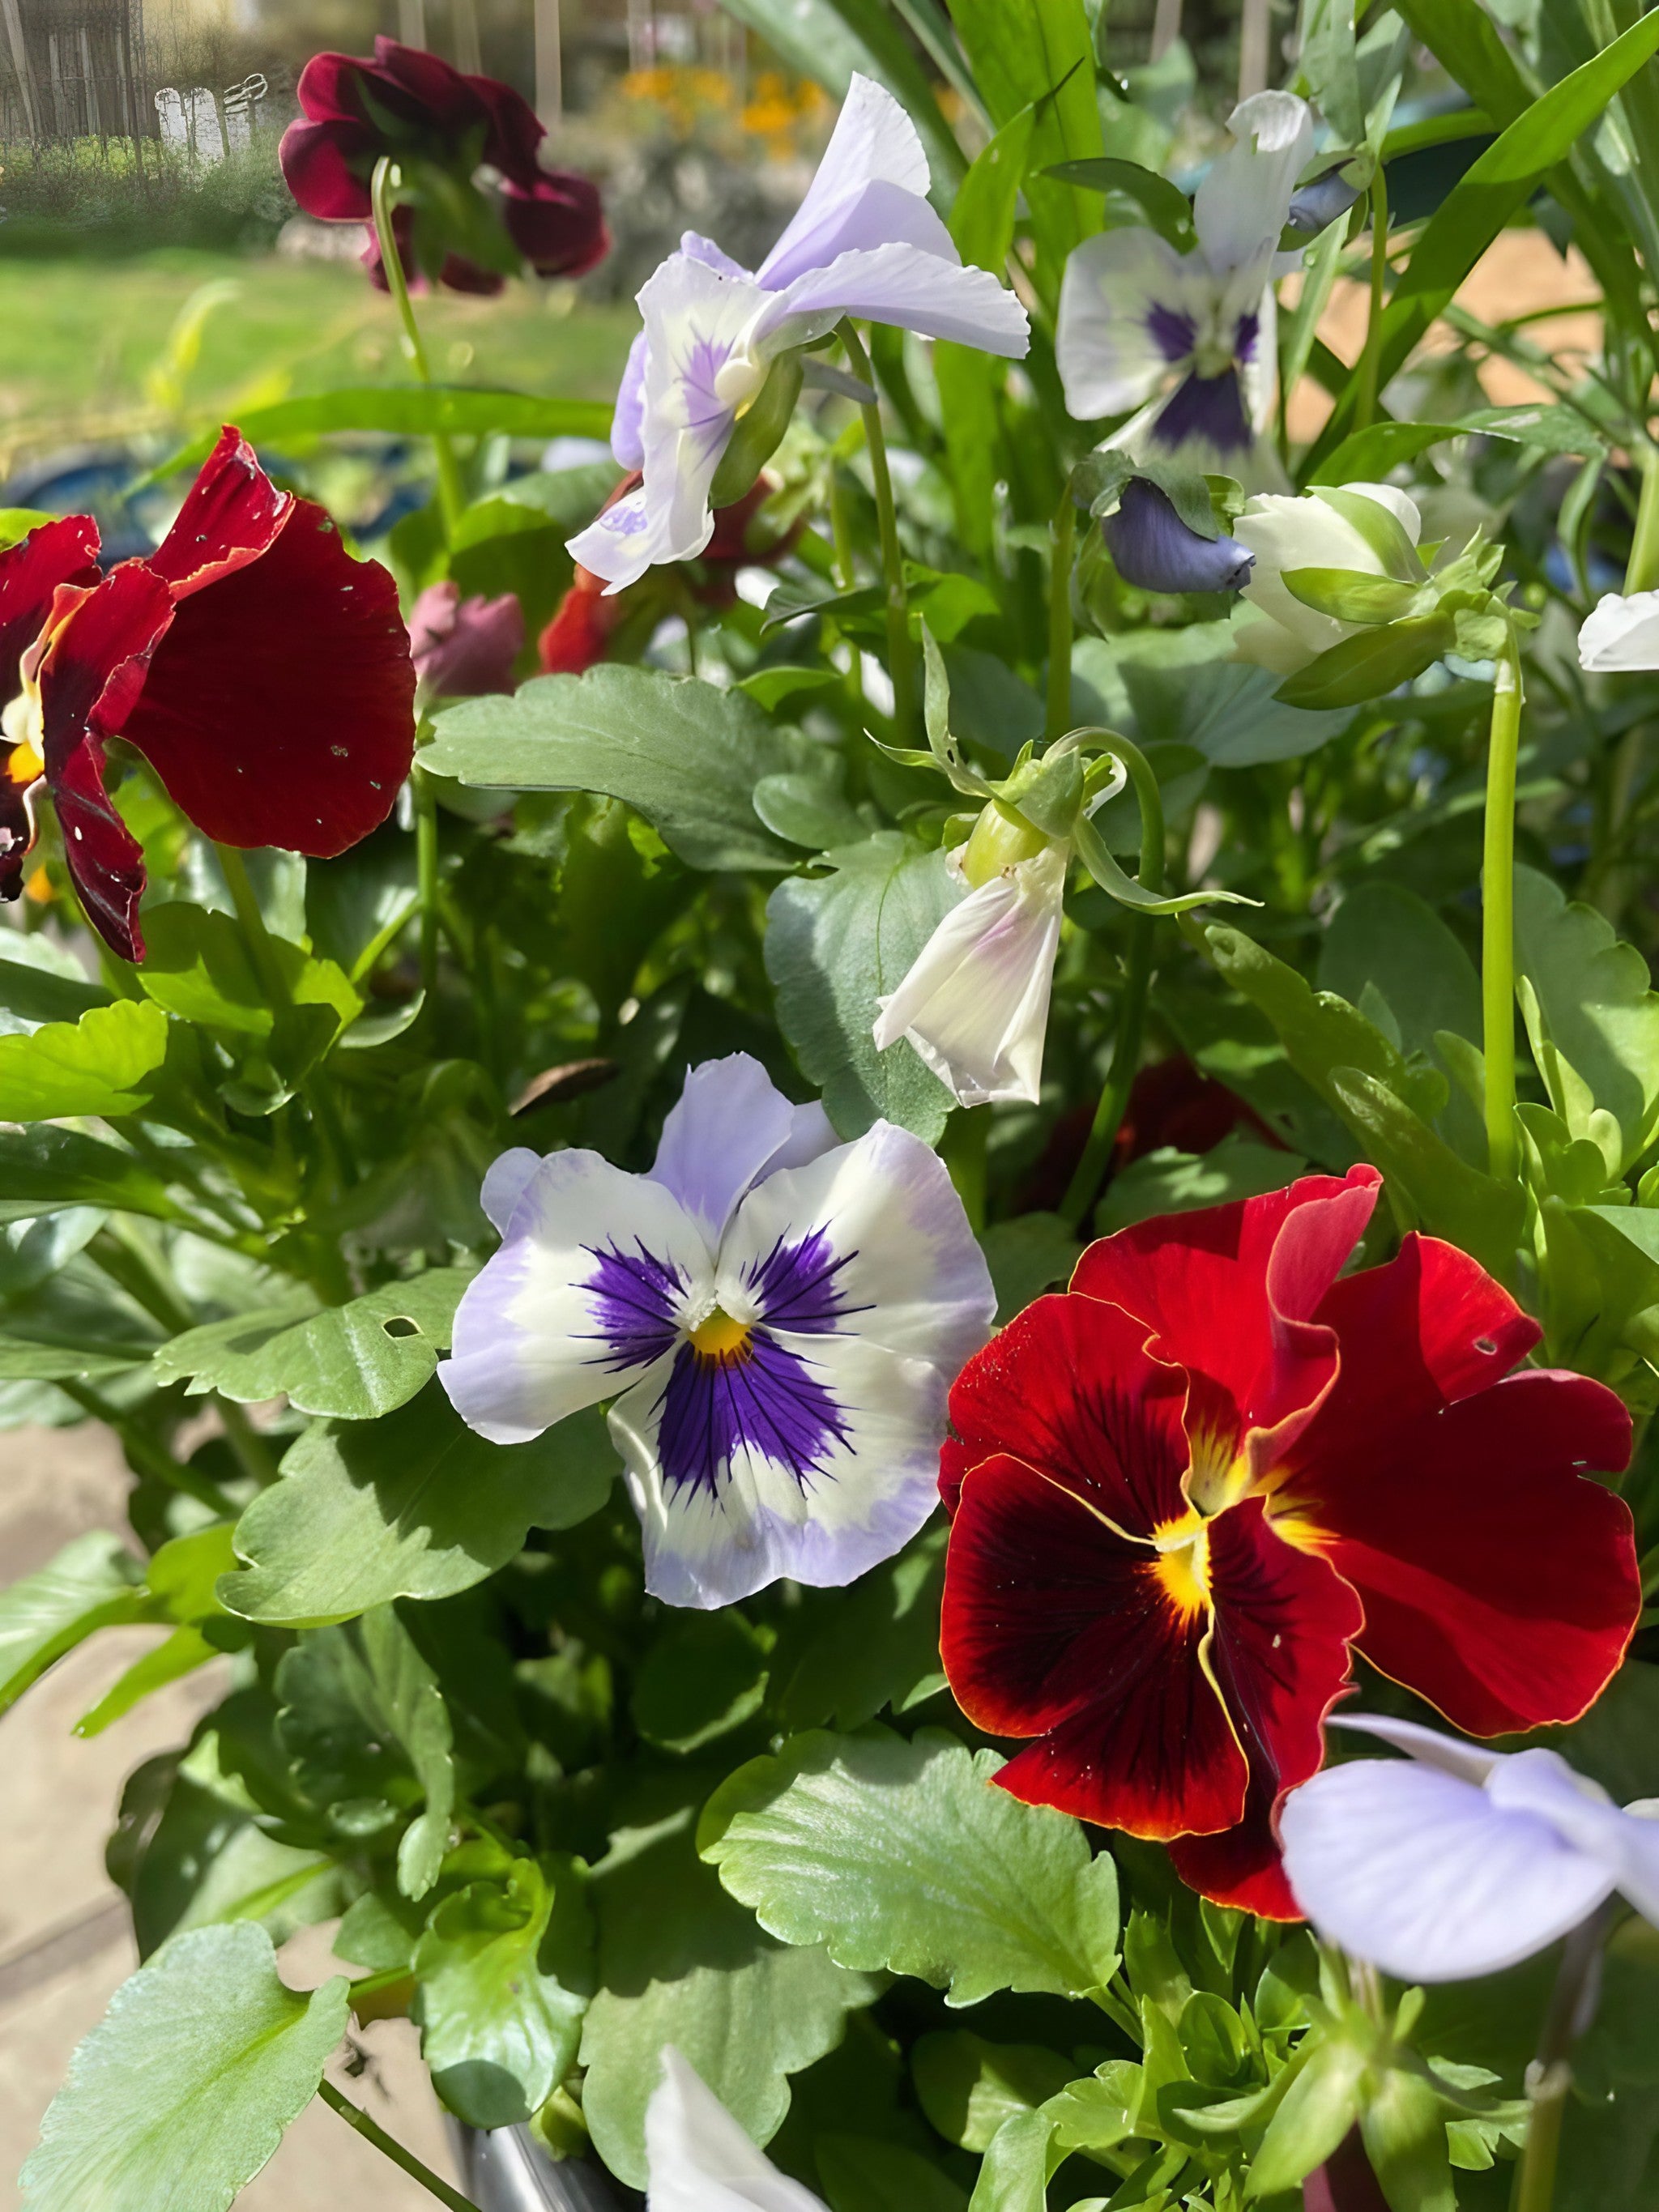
1211,408
795,1286
1245,337
637,1300
760,1397
1173,333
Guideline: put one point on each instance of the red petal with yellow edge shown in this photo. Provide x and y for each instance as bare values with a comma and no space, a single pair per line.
231,515
65,552
1053,1625
1069,1387
1497,1581
280,708
1231,1292
1284,1621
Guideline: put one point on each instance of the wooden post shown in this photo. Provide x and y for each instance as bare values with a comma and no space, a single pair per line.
94,111
549,65
464,20
411,22
1166,27
1252,38
11,17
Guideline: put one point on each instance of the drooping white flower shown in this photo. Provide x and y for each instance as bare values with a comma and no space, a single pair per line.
1621,631
1190,339
1461,1861
975,1003
778,1317
1307,532
864,242
698,2159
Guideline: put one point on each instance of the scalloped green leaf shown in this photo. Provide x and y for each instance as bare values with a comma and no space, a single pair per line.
1600,1014
96,1065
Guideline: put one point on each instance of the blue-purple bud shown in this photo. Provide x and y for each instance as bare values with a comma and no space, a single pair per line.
1156,551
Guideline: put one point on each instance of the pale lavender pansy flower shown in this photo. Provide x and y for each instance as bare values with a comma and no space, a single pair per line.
1620,631
698,2159
864,242
1461,1861
1190,339
777,1316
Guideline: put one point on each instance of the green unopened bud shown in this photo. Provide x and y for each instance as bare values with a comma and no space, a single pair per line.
759,431
1002,839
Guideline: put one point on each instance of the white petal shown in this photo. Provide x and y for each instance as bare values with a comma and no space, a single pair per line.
874,142
696,248
620,543
698,2159
975,1003
1240,208
1469,1762
909,1273
533,1340
1120,304
730,1121
1621,632
1626,1844
905,285
811,1133
1426,1876
504,1183
1290,533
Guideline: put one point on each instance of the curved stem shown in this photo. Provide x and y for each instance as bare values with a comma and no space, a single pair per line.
145,1454
1084,1186
1549,2077
372,2131
451,496
426,876
1059,618
1497,917
901,654
1642,571
1364,413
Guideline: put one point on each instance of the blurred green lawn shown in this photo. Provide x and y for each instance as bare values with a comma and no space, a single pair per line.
93,347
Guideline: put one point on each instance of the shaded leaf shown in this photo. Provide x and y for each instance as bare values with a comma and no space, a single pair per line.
1599,1012
92,1582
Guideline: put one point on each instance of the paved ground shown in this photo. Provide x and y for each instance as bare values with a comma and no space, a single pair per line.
64,1944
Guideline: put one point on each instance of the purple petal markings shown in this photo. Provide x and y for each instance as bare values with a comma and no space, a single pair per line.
795,1286
1211,408
762,1397
1173,333
1245,337
636,1303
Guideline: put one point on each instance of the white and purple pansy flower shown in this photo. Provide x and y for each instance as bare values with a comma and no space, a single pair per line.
777,1317
864,242
1190,339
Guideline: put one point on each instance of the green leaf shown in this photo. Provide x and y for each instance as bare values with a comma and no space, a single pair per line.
1176,689
834,944
412,1505
31,1359
1349,594
1326,57
681,753
43,1169
16,522
93,1582
1600,1014
1040,53
1165,206
182,2091
408,410
196,965
705,1675
95,1065
1368,456
1031,1254
1371,664
1318,2109
903,1856
681,1963
1014,2177
40,981
1403,2127
877,1646
181,1654
355,1361
1171,1181
969,2088
503,1974
860,2174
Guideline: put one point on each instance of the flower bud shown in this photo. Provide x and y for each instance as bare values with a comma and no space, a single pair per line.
1280,632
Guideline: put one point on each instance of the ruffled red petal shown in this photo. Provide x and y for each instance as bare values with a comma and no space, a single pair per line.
327,165
1053,1625
62,552
1070,1388
232,514
515,134
1498,1581
421,85
1284,1621
557,222
1231,1292
280,707
576,637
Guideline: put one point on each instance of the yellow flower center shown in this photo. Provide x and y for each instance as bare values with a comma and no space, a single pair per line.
1182,1565
21,724
718,1338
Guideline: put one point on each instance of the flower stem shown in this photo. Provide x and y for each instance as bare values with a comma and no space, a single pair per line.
426,875
146,1454
372,2131
1082,1190
451,497
1642,571
901,654
1364,413
1549,2077
1063,527
1497,917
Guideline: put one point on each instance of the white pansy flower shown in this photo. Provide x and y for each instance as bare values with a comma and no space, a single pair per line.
1621,631
1274,628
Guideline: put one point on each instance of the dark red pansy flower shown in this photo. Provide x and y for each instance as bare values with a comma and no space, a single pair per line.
440,127
263,673
589,614
1182,1490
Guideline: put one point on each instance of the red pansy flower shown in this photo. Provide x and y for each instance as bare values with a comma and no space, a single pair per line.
589,614
464,648
410,105
1185,1487
263,673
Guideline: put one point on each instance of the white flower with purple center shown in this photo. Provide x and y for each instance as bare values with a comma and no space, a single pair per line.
1191,338
864,242
777,1316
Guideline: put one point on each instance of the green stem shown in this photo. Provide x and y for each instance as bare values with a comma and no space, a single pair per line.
451,496
1364,413
1059,719
1642,572
372,2131
1497,917
258,1459
1081,1191
145,1454
1549,2077
901,654
426,876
